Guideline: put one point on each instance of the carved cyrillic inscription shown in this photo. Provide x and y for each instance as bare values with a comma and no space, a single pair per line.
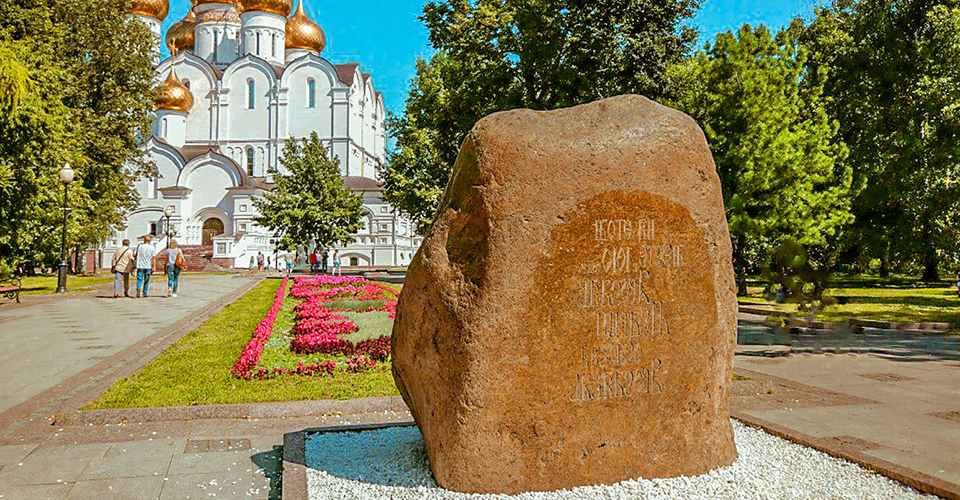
618,383
612,290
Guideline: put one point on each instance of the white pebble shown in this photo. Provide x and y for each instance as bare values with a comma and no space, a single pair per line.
768,468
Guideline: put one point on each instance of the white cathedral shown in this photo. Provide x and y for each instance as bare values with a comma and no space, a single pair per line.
244,77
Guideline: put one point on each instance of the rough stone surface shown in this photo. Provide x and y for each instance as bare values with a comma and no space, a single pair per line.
571,316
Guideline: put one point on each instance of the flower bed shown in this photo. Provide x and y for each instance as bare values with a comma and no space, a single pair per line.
243,368
322,329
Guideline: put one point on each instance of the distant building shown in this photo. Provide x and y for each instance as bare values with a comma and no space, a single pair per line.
244,77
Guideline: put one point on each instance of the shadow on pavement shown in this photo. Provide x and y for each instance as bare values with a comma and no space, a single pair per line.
271,462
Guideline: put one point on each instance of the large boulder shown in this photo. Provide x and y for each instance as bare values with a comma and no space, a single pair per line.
571,316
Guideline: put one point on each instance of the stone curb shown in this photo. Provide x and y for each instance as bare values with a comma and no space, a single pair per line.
839,449
294,483
231,411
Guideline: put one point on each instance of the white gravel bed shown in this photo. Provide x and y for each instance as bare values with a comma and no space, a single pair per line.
392,464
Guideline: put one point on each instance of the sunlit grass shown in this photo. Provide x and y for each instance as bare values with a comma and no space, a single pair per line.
38,285
898,299
196,370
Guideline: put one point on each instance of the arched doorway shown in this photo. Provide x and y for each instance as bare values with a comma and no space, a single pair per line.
211,227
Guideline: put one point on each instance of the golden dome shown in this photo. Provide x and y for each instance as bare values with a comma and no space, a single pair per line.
152,8
302,33
180,36
174,95
281,7
201,2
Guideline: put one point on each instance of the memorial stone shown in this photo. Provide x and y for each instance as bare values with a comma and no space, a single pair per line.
570,318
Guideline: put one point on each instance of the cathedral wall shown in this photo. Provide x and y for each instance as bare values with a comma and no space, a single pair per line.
168,170
198,121
209,183
141,222
301,118
243,121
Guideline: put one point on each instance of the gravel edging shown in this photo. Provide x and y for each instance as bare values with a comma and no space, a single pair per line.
839,449
768,467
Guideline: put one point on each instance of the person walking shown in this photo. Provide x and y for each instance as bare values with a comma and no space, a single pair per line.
289,259
336,263
146,260
121,265
175,263
325,259
313,262
259,262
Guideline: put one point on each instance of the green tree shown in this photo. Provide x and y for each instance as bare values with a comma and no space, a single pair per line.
87,102
494,55
894,83
773,143
310,203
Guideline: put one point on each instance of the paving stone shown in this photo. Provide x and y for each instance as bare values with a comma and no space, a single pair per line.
139,488
194,463
36,492
12,454
215,445
42,472
69,452
197,486
136,462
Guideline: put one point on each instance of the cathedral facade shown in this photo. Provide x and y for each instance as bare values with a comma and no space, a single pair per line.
245,76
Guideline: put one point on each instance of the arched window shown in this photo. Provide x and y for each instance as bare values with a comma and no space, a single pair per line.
251,156
273,49
251,94
258,43
216,44
311,93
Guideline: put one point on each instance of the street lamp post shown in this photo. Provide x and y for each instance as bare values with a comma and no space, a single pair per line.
167,212
66,177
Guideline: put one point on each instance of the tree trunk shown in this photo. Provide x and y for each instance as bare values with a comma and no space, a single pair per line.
931,266
931,261
740,266
885,265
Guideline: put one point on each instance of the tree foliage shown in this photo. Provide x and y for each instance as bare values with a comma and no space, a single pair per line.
772,141
894,83
310,203
493,55
83,94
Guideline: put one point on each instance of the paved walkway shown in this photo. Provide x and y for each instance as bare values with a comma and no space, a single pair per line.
57,337
899,416
60,352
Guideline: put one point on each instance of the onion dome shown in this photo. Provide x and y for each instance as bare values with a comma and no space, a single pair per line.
157,9
174,95
201,2
302,33
281,7
180,36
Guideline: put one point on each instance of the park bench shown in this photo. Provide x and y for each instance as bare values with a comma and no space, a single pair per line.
10,288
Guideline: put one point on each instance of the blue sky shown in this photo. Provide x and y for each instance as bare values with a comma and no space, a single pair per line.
385,37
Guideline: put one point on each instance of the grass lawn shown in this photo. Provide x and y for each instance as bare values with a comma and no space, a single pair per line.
36,285
196,370
896,299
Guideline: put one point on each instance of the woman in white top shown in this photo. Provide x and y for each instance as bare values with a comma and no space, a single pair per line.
175,263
